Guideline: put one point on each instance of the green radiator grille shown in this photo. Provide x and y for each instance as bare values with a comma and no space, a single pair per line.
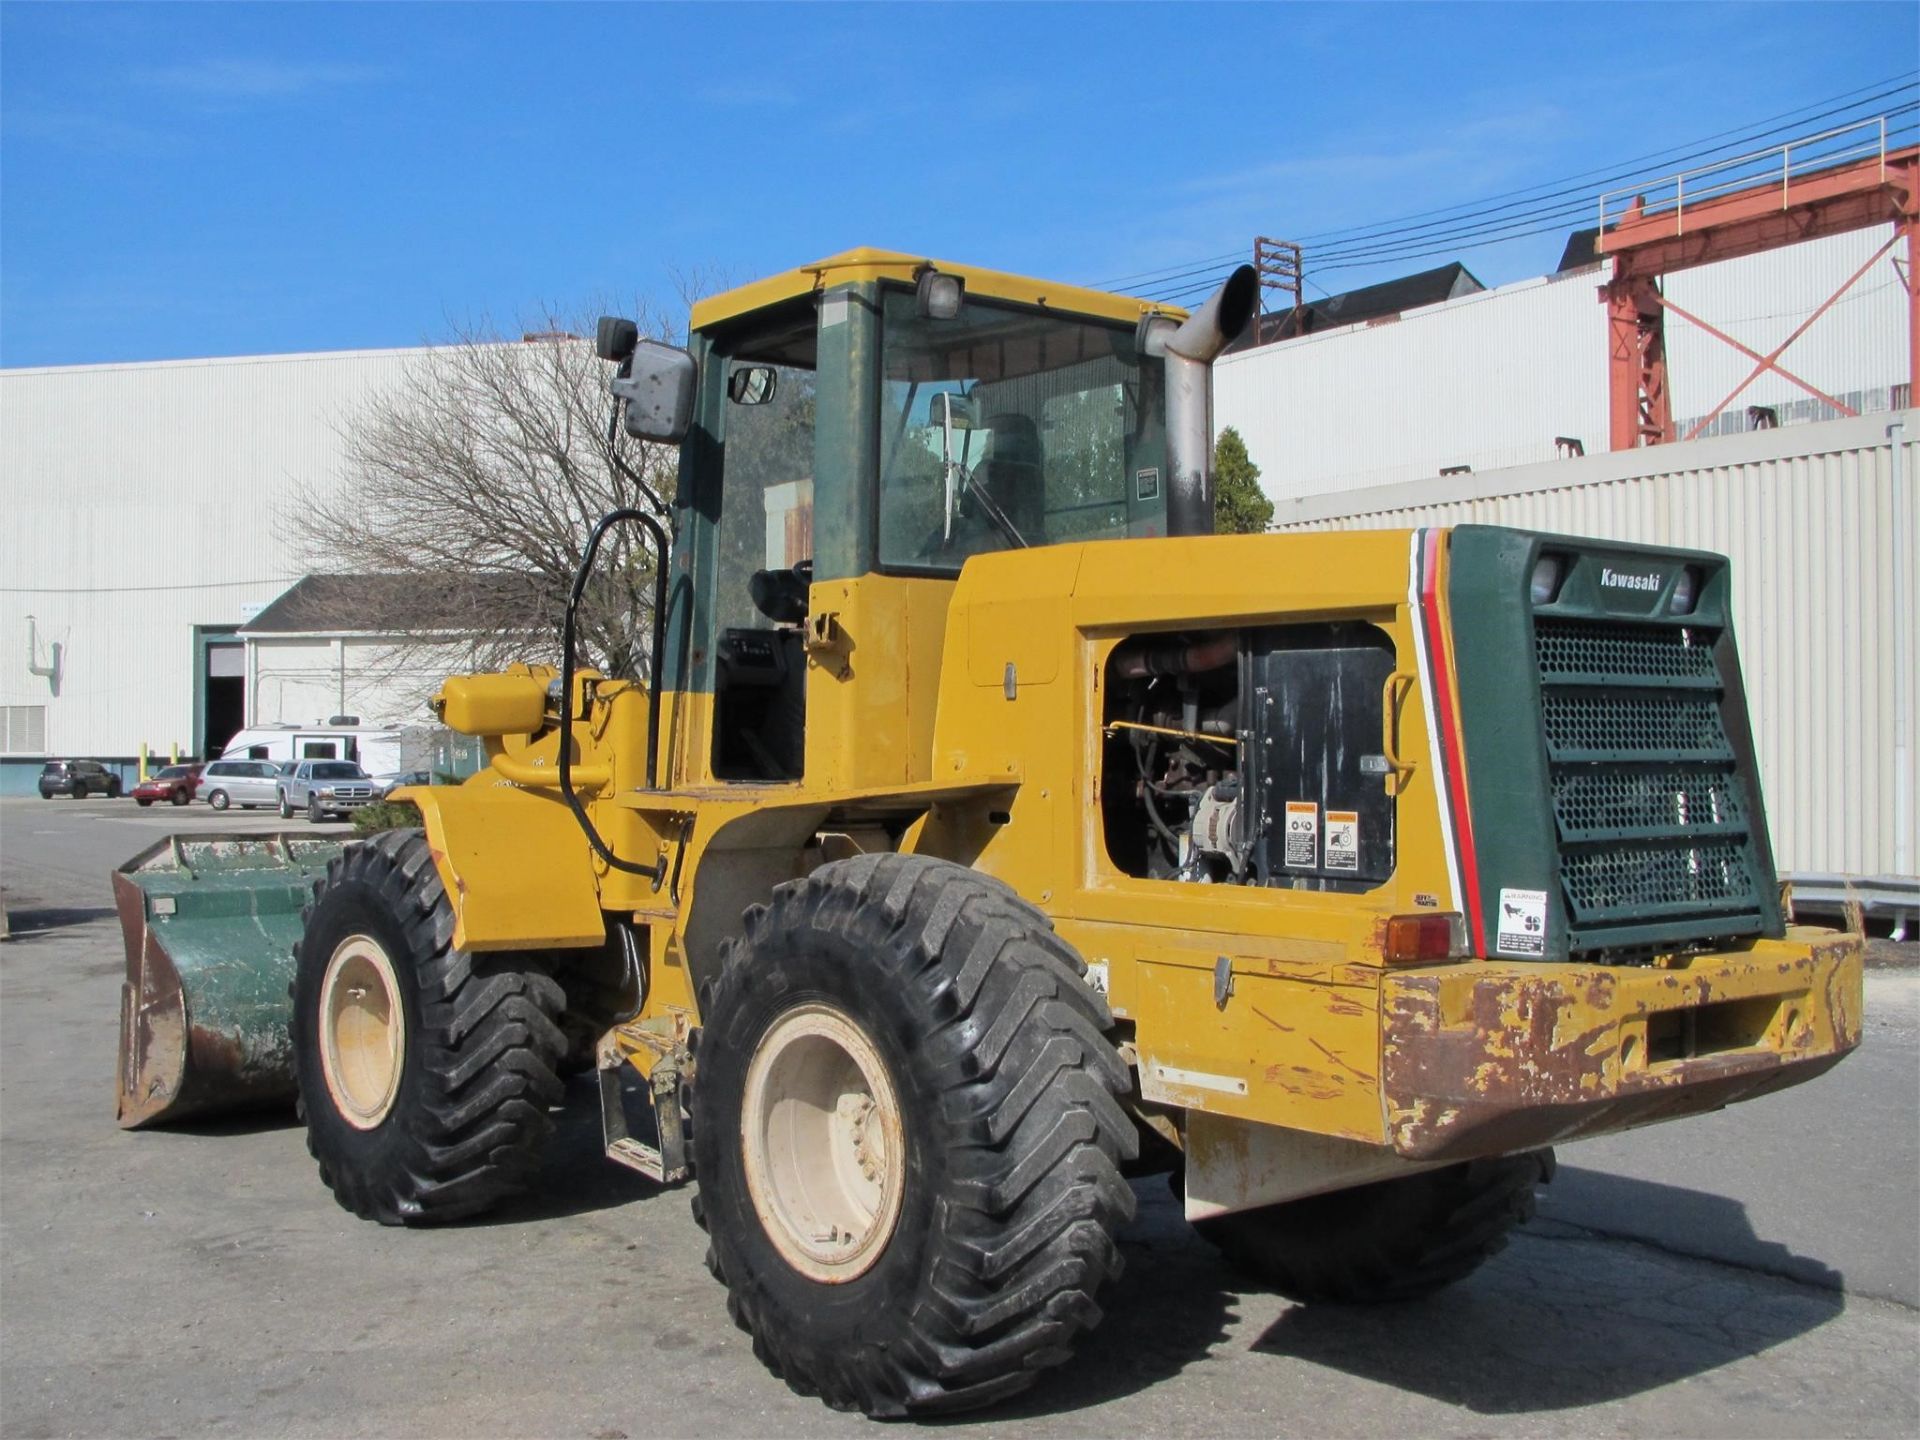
1650,811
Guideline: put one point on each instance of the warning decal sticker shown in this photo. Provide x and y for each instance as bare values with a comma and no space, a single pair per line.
1303,834
1343,840
1523,922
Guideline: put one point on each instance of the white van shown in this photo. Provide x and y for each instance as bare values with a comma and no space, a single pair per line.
378,751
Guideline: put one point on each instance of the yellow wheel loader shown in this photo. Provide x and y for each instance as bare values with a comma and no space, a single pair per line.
991,831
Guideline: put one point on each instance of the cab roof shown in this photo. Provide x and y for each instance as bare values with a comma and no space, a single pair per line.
867,264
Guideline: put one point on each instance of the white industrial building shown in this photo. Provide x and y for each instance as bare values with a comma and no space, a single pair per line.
1498,377
151,511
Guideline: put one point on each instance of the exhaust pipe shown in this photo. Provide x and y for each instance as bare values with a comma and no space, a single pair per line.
1191,351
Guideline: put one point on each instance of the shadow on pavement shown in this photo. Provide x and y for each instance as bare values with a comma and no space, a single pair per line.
575,1175
1168,1310
1567,1318
25,924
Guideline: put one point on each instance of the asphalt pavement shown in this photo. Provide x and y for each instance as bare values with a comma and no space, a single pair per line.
1755,1272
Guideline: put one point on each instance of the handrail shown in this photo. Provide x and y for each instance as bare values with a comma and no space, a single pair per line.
1752,175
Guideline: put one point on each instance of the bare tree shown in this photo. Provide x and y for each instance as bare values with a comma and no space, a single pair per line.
471,489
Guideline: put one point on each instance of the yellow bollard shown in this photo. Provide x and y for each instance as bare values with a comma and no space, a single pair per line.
143,762
176,754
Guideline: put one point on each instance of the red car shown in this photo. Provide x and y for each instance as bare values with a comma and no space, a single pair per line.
175,784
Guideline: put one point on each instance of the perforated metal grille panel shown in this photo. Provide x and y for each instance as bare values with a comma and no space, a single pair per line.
1612,724
1573,649
1649,807
1634,882
1590,803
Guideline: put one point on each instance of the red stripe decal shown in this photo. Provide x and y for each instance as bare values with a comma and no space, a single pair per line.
1437,657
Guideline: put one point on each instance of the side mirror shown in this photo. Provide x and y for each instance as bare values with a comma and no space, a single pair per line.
954,412
751,385
615,338
657,383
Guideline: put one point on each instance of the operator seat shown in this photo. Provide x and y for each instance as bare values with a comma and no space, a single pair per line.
1012,473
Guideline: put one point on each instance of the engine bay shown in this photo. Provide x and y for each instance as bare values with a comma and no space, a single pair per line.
1251,756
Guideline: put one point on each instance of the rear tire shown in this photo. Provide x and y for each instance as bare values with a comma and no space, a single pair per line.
286,810
180,796
940,1205
1394,1240
425,1073
113,789
79,791
219,800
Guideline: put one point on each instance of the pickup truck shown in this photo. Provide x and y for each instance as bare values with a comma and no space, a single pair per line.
323,788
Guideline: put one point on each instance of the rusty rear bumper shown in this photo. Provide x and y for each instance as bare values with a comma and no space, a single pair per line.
1487,1057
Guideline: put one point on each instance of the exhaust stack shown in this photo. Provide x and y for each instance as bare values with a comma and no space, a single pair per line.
1191,351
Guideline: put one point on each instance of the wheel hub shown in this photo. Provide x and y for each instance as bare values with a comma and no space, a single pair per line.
363,1035
823,1143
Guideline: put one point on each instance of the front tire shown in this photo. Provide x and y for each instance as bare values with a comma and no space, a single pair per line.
314,813
143,804
907,1138
425,1073
219,800
1393,1240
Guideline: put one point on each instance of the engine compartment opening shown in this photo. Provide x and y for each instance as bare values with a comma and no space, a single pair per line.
1250,757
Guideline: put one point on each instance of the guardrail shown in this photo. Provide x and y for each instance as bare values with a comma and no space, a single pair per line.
1860,141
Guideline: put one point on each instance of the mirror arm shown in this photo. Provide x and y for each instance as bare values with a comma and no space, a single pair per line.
620,463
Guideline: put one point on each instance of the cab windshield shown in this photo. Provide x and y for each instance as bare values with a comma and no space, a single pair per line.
1008,427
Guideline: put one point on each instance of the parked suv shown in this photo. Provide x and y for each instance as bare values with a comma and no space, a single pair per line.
245,783
324,787
78,778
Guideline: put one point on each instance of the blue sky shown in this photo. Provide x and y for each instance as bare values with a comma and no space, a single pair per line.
180,180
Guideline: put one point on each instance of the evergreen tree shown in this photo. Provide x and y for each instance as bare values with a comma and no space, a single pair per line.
1240,507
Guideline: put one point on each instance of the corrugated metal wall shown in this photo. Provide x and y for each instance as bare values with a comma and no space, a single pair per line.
1824,555
1490,380
143,500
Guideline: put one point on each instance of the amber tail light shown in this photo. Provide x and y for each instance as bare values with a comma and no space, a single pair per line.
1425,939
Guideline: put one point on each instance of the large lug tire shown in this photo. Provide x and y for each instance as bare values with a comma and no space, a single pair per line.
906,1137
1393,1240
425,1073
219,800
286,810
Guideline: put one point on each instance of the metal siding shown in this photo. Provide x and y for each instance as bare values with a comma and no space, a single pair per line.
1489,380
142,500
1856,352
1808,517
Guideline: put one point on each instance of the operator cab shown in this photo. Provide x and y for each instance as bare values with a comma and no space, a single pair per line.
873,415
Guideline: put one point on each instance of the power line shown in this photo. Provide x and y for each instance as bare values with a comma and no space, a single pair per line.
1478,230
1358,239
1896,84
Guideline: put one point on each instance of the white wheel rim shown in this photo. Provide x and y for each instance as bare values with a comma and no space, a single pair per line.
823,1144
363,1031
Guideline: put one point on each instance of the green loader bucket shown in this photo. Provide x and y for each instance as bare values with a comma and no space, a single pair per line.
210,923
